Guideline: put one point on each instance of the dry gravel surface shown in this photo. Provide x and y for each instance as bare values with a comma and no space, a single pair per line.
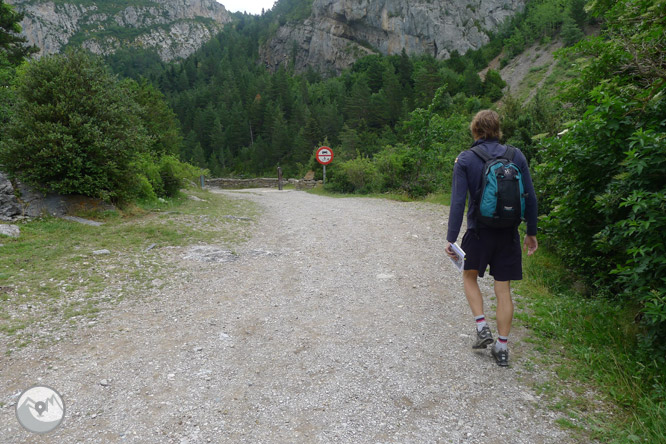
340,321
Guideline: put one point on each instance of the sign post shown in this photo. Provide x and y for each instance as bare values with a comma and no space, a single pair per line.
324,157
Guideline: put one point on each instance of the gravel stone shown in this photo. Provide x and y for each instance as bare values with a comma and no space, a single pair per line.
10,230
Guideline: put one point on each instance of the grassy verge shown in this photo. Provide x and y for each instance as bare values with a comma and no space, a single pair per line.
52,275
440,198
605,387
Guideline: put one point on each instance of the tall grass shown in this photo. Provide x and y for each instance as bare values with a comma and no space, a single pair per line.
615,392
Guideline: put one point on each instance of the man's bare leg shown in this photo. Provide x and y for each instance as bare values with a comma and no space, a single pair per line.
504,307
500,350
473,292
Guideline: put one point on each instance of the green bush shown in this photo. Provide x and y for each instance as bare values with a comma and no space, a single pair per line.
75,129
174,173
603,182
355,176
392,163
149,183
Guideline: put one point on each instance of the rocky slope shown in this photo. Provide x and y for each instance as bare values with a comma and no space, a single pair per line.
339,31
175,28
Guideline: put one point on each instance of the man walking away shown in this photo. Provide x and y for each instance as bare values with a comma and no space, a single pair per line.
484,243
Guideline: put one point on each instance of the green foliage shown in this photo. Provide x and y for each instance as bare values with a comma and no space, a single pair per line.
173,174
634,206
355,176
577,12
493,85
603,181
13,46
76,128
158,119
240,119
287,11
571,32
541,21
597,337
7,73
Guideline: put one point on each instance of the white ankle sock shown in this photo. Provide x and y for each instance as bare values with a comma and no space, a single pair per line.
480,322
501,343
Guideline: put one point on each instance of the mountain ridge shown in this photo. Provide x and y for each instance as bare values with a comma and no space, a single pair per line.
338,32
174,28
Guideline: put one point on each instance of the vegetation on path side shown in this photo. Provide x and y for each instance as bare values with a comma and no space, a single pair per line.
51,276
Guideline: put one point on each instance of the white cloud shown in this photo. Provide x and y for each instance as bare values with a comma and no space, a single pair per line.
249,6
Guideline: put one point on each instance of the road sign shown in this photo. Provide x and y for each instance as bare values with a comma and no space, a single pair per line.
324,155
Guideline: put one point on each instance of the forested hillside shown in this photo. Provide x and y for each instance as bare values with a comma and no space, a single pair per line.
237,118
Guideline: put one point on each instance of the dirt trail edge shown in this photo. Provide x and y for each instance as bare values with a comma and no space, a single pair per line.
340,321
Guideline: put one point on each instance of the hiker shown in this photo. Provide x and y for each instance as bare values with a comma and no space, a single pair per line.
482,243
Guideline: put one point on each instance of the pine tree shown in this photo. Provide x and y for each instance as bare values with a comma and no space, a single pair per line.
12,45
358,101
577,12
427,79
493,85
199,157
570,33
472,84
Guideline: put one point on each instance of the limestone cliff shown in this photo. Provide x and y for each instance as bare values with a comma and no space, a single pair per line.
340,31
175,28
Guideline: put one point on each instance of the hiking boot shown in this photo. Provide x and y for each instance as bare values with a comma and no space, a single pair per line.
483,338
501,357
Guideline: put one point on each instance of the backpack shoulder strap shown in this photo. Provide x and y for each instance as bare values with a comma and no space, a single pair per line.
509,153
481,153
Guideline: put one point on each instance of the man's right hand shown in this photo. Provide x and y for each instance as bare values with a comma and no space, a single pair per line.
450,251
530,244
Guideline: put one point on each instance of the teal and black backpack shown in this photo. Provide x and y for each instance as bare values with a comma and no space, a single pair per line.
501,200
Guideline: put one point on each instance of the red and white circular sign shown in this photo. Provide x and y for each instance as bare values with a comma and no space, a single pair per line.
324,155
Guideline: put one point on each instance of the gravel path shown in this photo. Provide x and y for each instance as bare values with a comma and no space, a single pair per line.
341,321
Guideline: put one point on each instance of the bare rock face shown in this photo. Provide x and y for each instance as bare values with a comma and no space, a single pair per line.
340,31
176,28
9,206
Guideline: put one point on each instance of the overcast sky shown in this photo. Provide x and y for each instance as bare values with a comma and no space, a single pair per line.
249,6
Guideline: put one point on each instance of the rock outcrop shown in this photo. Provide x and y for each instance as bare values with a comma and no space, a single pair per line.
175,28
32,203
340,31
9,205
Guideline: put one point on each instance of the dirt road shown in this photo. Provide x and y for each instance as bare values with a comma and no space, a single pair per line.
340,321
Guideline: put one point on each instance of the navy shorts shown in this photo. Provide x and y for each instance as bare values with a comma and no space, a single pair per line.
499,248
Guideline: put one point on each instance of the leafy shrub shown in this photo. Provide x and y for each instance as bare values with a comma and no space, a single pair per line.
78,130
392,163
149,183
173,173
603,182
355,176
75,129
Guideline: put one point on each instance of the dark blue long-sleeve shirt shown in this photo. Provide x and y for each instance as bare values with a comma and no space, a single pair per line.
467,173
